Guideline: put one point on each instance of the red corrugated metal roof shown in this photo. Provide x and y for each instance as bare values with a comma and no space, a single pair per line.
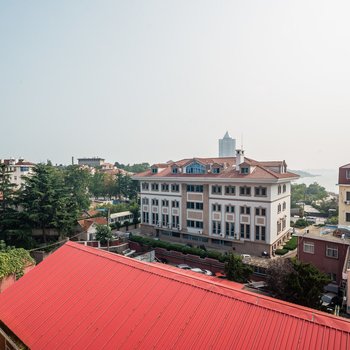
83,298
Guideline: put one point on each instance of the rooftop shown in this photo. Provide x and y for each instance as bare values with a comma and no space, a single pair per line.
323,234
83,298
266,170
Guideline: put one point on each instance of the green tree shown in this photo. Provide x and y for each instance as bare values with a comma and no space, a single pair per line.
7,199
296,282
77,181
47,202
236,270
103,233
96,185
135,210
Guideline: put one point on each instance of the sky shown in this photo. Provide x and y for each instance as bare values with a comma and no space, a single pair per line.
152,81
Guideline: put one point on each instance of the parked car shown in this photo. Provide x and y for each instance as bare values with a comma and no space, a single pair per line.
202,271
184,267
329,299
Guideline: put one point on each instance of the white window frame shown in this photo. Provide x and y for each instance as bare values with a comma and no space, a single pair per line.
334,250
309,247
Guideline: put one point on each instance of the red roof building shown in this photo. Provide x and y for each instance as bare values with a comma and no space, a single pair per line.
83,298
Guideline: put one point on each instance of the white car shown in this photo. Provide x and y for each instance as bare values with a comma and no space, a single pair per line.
202,271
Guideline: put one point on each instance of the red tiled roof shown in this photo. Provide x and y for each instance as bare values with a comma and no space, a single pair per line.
261,171
86,223
83,298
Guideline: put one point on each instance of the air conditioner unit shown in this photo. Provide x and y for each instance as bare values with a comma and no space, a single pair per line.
200,232
179,227
347,202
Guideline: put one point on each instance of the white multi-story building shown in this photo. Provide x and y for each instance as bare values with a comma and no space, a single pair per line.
17,169
231,203
227,146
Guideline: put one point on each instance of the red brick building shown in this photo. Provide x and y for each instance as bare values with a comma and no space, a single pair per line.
325,250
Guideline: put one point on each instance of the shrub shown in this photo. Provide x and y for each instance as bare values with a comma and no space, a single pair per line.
281,251
291,244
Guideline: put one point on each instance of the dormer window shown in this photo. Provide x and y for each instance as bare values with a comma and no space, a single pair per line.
244,170
154,170
175,170
195,168
216,170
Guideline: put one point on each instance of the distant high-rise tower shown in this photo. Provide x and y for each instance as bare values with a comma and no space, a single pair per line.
227,146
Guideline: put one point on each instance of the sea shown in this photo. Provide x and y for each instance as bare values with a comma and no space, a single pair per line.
328,178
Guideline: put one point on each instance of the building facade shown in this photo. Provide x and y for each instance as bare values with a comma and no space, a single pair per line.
224,203
18,168
227,146
92,162
344,195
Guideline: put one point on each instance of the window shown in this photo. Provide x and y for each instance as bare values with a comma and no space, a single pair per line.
284,188
244,191
175,188
332,276
24,168
165,220
309,247
165,187
154,201
244,170
260,191
154,170
245,210
165,203
195,205
154,187
194,188
279,226
230,229
279,208
216,207
145,186
216,170
155,218
145,217
175,221
332,252
347,174
175,170
245,231
194,224
230,190
260,211
216,227
215,189
279,189
260,233
230,209
145,201
284,206
175,204
195,168
347,217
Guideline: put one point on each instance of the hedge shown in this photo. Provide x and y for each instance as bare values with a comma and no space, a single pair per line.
179,248
291,244
281,251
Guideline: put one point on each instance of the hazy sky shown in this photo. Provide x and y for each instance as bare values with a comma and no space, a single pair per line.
136,81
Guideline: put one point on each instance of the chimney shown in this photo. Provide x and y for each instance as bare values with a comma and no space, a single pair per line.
239,158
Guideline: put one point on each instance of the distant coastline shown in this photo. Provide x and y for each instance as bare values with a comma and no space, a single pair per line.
303,173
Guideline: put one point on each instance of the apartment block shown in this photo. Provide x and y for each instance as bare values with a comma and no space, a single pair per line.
344,195
18,168
229,203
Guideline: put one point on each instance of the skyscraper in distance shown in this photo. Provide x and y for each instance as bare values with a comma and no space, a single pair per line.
227,146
